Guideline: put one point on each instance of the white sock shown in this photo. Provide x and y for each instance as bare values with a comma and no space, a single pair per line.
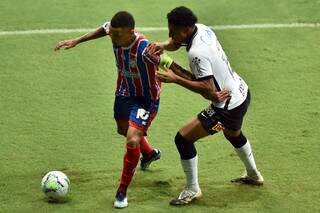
190,168
246,156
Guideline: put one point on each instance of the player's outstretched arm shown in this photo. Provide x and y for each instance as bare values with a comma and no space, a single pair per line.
67,44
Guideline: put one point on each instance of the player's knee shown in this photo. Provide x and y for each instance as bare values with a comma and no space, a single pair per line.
186,149
133,141
237,141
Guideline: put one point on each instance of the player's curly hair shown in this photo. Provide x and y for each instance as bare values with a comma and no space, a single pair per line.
182,17
122,19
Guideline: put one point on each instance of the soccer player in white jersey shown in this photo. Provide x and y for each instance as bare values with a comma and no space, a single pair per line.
213,78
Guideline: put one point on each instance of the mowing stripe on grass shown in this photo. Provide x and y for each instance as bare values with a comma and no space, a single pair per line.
156,29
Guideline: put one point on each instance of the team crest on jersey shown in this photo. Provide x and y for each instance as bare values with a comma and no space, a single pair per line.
196,62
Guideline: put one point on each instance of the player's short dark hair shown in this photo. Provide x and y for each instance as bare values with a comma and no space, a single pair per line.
122,19
182,17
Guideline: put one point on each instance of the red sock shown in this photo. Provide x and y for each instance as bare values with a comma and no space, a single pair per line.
130,161
145,147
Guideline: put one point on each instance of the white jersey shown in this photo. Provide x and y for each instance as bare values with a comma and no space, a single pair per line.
208,60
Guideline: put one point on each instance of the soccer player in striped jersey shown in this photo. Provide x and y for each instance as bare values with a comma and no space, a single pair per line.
137,94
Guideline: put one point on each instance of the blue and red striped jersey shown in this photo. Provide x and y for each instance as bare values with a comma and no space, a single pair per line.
136,74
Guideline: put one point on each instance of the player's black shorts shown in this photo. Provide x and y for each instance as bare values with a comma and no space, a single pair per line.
215,119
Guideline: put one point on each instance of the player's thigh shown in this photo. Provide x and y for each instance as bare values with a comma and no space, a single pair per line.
122,107
193,130
122,127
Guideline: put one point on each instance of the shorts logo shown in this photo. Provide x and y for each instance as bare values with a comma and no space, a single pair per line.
218,127
143,114
210,111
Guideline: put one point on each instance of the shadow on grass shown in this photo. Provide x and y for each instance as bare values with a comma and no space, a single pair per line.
223,195
57,202
218,195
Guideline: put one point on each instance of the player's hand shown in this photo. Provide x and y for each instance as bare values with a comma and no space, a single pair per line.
67,44
167,77
155,48
222,95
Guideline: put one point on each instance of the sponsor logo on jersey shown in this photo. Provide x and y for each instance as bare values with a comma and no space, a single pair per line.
133,63
131,74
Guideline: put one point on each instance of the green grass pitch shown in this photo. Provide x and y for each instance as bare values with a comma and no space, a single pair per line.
56,109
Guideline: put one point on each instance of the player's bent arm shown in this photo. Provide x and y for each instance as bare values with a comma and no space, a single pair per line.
204,87
170,45
180,71
158,47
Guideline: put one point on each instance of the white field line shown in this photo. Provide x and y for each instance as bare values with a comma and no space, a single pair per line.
156,29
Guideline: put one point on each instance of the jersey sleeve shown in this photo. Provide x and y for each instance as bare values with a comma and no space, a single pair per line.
200,65
141,50
106,26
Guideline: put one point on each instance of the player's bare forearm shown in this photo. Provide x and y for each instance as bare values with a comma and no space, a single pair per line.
205,88
98,33
202,87
158,47
67,44
171,45
180,71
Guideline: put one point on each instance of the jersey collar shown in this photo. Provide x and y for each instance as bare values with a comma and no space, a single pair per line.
189,42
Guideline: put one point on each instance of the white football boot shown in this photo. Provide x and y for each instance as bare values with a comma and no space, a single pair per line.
186,196
253,179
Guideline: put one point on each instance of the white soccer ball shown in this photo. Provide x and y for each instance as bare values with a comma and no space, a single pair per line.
55,185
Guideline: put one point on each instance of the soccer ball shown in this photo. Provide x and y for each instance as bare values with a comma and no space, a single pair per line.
55,185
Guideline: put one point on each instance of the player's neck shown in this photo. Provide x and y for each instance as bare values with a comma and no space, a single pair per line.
191,32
